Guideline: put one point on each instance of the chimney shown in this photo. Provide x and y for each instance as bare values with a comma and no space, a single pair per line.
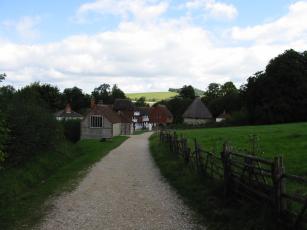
67,108
93,103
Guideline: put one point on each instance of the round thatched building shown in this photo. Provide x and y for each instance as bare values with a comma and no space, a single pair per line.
197,113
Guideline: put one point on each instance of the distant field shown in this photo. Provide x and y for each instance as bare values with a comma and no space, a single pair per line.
288,140
152,96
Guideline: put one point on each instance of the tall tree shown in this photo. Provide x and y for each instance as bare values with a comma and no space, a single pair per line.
102,93
77,99
187,91
117,93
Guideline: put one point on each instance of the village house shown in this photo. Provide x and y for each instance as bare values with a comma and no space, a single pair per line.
197,113
141,118
159,115
107,121
68,114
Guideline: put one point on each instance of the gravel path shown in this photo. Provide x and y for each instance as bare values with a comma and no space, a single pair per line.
122,191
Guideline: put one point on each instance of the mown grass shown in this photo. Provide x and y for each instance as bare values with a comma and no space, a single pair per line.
152,96
205,196
287,140
25,190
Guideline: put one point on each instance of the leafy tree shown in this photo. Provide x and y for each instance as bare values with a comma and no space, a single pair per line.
77,99
50,95
213,92
2,77
102,93
280,93
228,88
117,93
187,92
141,102
33,129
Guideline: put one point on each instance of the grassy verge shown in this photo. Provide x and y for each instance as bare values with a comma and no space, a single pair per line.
205,196
24,190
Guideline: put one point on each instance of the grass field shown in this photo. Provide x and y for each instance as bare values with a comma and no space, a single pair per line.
288,140
24,190
152,96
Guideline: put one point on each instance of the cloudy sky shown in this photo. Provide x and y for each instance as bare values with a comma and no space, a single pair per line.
145,45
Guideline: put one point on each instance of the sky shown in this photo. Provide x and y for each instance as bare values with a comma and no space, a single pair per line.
145,45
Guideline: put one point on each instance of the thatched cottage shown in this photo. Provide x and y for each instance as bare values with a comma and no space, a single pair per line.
197,113
67,114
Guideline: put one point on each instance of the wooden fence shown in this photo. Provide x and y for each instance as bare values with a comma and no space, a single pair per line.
246,176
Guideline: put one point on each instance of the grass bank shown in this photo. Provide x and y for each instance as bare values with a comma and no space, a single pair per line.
24,190
205,196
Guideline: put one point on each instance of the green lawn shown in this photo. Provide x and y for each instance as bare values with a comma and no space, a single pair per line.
152,96
288,140
24,190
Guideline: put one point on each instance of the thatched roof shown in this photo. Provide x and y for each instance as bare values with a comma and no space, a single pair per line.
197,110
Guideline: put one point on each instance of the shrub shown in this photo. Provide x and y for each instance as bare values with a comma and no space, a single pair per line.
71,130
32,128
3,138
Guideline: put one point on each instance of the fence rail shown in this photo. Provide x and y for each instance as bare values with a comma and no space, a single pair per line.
247,176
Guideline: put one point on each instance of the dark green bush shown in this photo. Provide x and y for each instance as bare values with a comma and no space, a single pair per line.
33,129
71,130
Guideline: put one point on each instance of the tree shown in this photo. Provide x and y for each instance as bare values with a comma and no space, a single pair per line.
228,88
187,92
141,102
117,93
213,92
280,93
2,77
102,93
76,98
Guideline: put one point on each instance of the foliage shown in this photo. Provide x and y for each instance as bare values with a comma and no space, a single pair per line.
280,93
187,92
141,102
105,94
24,190
198,92
2,77
76,98
71,130
3,138
32,128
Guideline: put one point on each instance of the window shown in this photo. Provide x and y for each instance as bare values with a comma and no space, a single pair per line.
96,121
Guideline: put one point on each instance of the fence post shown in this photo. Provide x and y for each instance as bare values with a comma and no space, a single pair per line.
278,185
186,151
227,169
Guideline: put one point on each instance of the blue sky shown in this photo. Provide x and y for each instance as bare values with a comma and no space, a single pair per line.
134,42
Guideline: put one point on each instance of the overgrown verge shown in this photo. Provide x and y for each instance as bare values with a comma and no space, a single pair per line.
205,196
24,190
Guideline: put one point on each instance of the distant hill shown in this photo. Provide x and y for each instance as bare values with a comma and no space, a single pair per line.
151,96
198,92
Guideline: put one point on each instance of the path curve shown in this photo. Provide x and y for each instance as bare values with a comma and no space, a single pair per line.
123,191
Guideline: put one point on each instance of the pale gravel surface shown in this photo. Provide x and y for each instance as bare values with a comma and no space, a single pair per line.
123,191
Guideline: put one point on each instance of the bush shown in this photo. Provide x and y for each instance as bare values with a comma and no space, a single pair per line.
32,128
3,138
71,130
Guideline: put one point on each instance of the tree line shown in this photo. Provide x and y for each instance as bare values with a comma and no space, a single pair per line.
276,95
27,123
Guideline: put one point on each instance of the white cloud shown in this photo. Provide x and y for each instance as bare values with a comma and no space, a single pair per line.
153,56
140,10
290,28
26,27
213,8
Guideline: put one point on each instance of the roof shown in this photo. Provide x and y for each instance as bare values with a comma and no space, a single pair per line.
197,110
107,112
63,113
144,111
123,104
164,107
